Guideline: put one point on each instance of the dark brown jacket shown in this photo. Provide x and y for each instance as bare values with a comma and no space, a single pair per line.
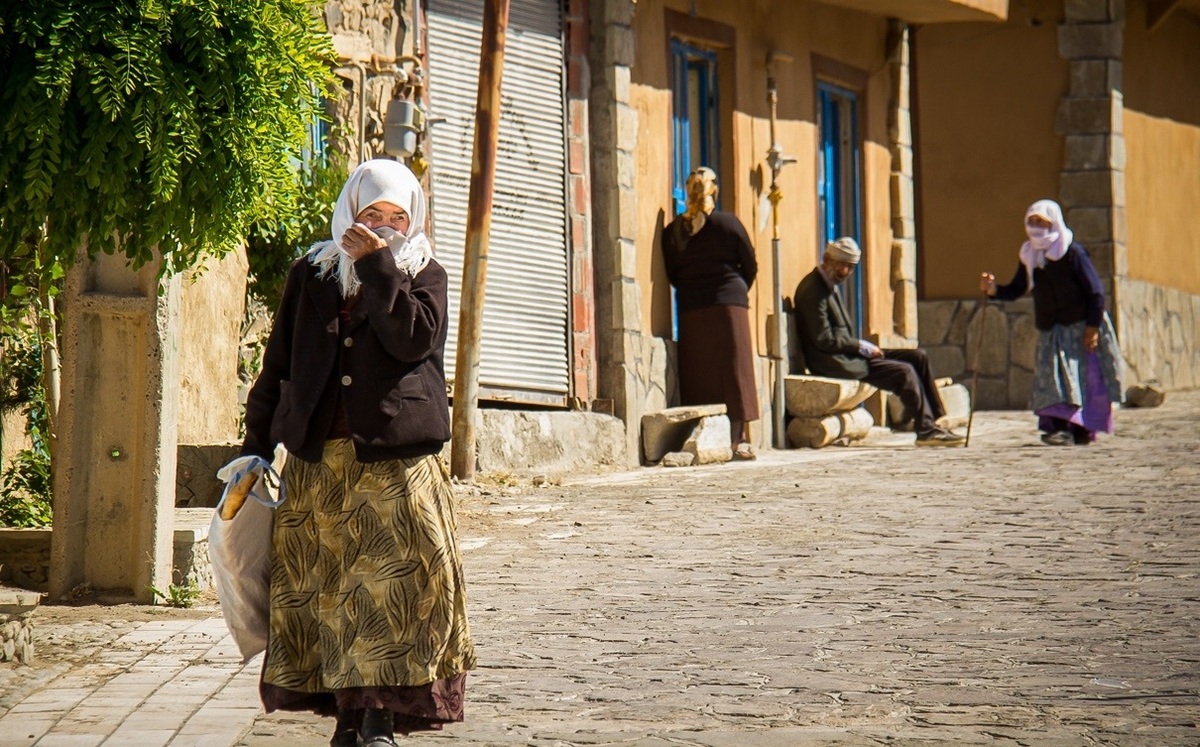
384,366
826,337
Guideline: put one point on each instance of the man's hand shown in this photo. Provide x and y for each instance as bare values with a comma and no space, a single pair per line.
869,349
1091,338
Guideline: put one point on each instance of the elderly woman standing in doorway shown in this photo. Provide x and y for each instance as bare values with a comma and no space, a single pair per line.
368,615
1078,364
710,261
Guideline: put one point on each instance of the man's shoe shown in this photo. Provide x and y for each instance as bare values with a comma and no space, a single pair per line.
1058,438
940,437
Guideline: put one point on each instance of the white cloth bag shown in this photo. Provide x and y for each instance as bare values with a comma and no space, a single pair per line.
240,552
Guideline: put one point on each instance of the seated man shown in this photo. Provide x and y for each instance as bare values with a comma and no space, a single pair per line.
831,349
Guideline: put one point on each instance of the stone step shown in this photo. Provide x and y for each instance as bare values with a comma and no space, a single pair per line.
665,431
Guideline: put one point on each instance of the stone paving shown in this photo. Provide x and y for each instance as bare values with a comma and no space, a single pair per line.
1008,593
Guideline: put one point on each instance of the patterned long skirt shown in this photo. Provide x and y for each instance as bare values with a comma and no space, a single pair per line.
368,605
1073,388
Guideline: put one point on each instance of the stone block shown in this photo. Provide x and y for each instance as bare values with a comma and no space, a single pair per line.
933,321
1093,11
816,432
992,394
957,400
1094,78
1086,116
1020,385
992,324
196,483
1144,395
817,396
957,335
904,260
904,311
678,459
947,360
1022,346
550,442
1086,152
1087,188
1091,225
709,440
1077,41
667,430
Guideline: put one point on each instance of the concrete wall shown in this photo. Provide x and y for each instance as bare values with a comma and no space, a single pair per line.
986,99
1161,85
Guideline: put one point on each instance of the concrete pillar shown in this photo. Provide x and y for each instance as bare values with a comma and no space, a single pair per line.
114,481
1092,184
614,133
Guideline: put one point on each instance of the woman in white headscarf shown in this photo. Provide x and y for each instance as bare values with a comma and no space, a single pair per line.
1078,364
368,609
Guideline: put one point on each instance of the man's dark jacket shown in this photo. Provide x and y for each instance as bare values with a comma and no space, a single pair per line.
382,364
828,341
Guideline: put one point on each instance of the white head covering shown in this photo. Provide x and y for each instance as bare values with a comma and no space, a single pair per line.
844,249
1049,248
701,197
375,181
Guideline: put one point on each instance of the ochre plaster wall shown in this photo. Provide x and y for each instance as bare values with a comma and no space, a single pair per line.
798,30
986,97
1162,143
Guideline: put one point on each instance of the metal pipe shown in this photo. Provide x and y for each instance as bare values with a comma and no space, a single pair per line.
775,161
475,251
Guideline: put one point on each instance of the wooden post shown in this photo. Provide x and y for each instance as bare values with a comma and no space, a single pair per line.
479,222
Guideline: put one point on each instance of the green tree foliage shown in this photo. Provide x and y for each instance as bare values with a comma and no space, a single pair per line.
272,245
137,124
25,486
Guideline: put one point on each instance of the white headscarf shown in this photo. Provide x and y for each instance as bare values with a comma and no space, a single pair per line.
1050,247
374,181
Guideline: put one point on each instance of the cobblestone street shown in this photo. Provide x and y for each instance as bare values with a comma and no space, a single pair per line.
1008,593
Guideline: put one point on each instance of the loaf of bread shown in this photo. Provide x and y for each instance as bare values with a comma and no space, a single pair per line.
237,494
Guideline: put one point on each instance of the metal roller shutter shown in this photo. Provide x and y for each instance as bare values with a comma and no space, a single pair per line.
524,355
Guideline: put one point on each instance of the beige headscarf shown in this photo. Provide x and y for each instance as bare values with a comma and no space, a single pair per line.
701,197
374,181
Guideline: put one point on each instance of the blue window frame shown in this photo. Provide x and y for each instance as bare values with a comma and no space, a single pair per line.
839,183
694,116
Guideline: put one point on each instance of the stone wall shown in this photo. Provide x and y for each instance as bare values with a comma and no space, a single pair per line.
1004,356
368,35
1160,335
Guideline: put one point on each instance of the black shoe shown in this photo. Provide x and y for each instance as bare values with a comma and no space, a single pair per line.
377,728
1058,438
345,733
940,437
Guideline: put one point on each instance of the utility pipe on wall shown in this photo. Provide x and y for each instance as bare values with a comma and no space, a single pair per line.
776,161
479,222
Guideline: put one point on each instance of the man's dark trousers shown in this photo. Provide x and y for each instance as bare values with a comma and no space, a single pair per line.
906,373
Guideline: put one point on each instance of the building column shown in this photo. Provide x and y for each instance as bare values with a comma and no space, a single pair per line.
904,231
1092,184
618,296
114,467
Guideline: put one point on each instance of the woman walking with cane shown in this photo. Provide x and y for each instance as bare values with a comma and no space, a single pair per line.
1078,363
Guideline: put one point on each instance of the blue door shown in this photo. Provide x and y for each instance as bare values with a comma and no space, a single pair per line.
694,116
838,180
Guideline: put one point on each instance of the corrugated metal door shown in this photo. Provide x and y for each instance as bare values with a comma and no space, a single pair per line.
524,355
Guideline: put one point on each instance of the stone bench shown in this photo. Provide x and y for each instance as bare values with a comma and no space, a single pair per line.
681,436
16,629
955,397
825,409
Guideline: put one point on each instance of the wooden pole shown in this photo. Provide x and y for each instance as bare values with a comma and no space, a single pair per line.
479,223
975,369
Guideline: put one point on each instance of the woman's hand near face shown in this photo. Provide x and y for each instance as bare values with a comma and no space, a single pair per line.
359,241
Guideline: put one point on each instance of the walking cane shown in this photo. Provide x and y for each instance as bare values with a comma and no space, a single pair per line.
975,370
